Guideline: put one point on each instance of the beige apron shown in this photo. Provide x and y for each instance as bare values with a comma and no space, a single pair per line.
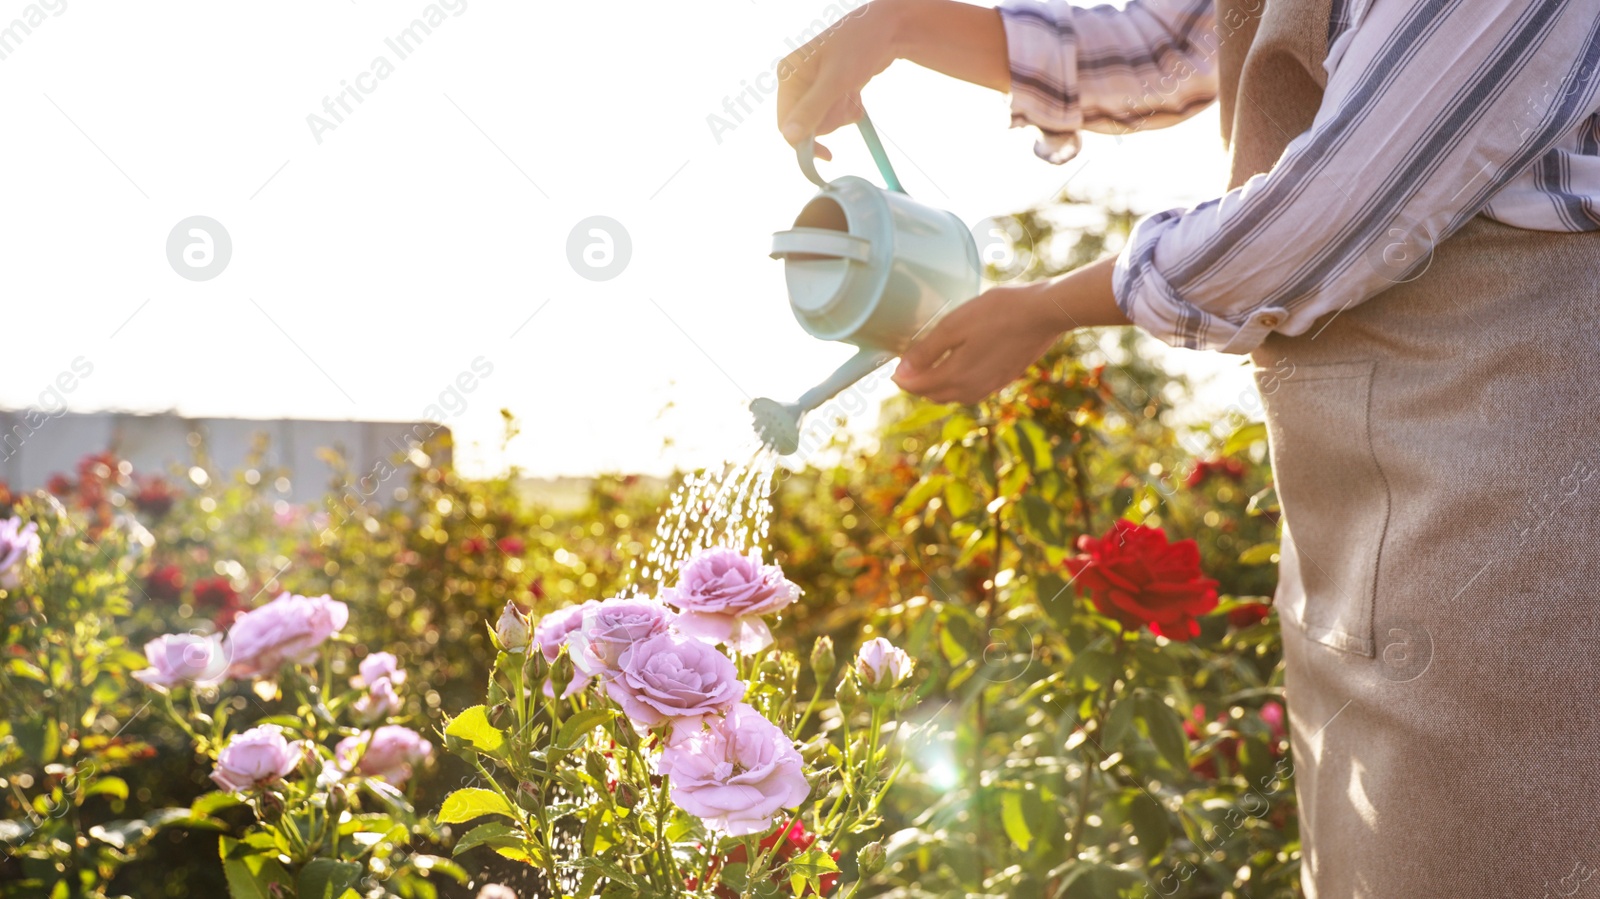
1435,451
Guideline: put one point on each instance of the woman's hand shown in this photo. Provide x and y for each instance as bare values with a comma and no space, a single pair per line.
819,85
989,341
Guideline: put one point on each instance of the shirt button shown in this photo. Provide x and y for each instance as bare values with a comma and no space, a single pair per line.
1267,319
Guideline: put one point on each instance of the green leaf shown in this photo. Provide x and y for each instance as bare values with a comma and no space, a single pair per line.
132,833
959,497
1260,554
25,669
473,802
435,864
1245,437
288,722
1166,731
953,650
917,497
956,427
1118,724
492,834
108,786
574,729
473,726
807,868
251,875
1035,446
213,802
1016,824
1098,667
325,878
39,741
1042,520
1150,823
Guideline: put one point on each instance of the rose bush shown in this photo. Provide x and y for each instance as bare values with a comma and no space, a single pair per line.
692,761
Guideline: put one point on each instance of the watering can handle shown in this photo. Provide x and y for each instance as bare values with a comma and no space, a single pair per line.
807,153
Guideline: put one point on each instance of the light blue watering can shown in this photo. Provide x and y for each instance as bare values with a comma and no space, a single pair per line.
869,267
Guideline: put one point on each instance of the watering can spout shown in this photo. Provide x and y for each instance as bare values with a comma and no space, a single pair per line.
778,424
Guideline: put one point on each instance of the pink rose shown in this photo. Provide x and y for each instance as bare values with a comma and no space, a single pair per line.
183,659
722,596
255,758
881,665
391,751
736,774
611,628
670,676
380,701
18,545
287,630
557,629
379,665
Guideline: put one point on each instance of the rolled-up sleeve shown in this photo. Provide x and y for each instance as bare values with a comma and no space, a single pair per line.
1433,107
1105,69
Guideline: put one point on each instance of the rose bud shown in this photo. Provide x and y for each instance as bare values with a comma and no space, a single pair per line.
627,796
871,858
561,673
512,629
270,806
595,766
881,665
847,695
822,660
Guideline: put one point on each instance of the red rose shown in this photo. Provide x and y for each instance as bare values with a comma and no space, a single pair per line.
1135,576
474,546
1230,468
1249,615
795,840
164,582
155,497
511,546
215,592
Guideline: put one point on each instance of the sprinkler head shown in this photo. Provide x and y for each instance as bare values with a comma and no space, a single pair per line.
777,424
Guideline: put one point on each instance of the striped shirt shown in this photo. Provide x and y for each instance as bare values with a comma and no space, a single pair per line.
1435,111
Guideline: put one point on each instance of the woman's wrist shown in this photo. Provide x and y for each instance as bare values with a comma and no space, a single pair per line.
954,38
1082,298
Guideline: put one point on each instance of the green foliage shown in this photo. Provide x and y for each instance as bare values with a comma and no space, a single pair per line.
66,703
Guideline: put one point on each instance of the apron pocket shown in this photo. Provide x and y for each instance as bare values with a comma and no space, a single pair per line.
1334,498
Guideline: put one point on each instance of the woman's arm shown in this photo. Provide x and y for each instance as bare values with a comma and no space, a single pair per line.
988,342
1068,67
1433,108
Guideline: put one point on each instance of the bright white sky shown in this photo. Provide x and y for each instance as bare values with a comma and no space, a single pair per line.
371,269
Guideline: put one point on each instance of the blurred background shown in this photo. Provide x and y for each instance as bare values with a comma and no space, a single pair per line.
390,210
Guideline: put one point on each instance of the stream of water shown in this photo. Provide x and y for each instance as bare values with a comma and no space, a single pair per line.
723,505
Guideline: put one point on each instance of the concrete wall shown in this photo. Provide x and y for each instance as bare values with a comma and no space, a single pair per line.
155,443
